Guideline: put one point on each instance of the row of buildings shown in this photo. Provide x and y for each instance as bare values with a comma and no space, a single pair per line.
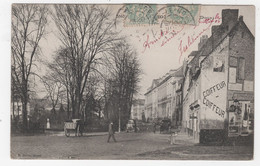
163,98
211,96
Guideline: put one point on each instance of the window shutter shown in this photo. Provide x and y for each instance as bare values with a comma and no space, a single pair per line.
241,69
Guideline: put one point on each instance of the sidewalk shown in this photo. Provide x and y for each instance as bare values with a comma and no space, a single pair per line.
182,138
72,134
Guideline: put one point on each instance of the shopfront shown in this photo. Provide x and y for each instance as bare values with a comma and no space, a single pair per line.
241,118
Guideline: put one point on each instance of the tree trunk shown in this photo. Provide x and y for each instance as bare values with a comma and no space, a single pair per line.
24,106
18,110
73,105
68,106
77,108
119,120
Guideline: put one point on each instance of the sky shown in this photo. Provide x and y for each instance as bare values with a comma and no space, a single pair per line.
157,60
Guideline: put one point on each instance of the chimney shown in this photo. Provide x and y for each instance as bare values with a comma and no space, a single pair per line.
203,40
229,17
214,29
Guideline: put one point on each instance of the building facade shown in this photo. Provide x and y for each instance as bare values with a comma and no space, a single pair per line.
17,110
151,101
219,82
137,109
160,98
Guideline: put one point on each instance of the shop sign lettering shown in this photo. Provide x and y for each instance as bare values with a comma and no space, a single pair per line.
214,89
210,104
214,107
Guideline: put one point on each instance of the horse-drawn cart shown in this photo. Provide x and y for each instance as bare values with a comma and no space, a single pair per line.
73,126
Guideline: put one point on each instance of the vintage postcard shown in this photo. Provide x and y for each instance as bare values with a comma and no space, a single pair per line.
132,81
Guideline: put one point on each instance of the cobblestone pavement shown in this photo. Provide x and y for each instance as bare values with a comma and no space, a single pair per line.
128,146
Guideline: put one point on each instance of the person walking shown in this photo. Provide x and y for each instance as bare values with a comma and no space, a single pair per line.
154,127
111,132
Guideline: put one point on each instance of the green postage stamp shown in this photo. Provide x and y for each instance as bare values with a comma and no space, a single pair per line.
140,14
152,14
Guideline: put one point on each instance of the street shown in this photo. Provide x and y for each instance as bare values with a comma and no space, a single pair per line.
129,146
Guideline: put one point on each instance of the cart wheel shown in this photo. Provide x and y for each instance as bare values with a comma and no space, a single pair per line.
66,133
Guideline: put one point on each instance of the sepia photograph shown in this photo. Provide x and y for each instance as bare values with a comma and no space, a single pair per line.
132,81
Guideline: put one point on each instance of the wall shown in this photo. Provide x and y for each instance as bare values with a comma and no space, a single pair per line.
242,47
186,101
178,102
241,81
136,111
162,99
155,103
214,72
148,105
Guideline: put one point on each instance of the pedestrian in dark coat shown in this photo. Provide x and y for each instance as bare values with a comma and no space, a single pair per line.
111,132
154,127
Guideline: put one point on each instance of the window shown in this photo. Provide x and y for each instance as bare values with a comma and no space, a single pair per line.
218,64
233,61
232,75
241,68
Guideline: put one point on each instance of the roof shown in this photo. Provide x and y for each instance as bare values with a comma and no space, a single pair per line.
193,53
139,101
179,72
219,33
233,29
157,82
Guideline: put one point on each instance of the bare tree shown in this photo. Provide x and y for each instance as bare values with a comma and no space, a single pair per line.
86,31
60,71
90,95
54,90
124,77
28,28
